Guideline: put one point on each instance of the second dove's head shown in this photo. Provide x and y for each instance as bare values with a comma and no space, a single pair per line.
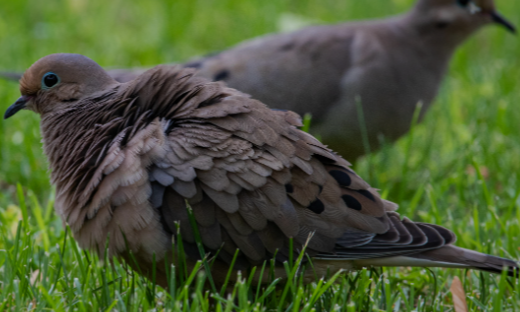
457,16
58,80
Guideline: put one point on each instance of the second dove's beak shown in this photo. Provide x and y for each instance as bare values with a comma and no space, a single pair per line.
17,106
499,19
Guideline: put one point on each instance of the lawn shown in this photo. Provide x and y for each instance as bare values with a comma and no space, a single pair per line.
459,168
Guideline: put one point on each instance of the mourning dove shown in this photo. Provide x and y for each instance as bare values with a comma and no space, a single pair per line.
387,66
127,159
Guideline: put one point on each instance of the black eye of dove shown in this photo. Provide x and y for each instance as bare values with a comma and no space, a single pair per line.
50,80
463,2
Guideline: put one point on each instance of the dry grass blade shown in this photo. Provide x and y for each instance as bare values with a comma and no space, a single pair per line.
459,296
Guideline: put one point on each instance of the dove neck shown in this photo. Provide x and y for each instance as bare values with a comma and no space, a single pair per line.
68,131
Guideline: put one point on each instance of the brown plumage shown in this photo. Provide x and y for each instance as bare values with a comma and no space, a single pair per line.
388,66
127,159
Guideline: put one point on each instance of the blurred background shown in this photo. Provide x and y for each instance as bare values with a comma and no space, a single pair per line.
460,167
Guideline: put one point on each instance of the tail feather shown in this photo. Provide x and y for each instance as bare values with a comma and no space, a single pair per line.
448,257
469,258
13,76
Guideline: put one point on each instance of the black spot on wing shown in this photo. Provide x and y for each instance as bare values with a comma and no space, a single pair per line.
289,188
351,202
196,64
288,46
221,75
317,206
341,177
367,194
442,25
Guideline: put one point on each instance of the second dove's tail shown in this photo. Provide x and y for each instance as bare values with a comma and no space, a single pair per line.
11,76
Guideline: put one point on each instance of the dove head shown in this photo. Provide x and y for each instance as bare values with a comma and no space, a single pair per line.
57,81
456,18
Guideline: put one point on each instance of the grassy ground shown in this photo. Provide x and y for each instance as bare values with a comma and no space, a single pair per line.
459,168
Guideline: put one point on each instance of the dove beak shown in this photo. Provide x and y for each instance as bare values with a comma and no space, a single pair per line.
499,19
17,106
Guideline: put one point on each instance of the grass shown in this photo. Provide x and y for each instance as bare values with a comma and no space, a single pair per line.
459,168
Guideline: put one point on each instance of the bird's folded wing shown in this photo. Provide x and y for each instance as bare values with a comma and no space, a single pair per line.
251,178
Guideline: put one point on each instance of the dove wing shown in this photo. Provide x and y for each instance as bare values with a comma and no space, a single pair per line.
253,180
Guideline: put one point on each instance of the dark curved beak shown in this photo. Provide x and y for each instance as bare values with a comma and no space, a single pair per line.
499,19
17,106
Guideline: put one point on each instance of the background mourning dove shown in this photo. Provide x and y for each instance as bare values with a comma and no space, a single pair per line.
127,158
387,66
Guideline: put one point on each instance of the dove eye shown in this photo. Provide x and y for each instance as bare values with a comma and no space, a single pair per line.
49,80
463,3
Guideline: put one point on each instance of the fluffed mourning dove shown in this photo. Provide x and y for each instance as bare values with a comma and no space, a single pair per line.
387,66
128,158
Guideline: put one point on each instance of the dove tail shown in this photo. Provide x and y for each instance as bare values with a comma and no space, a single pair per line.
470,259
449,257
11,76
